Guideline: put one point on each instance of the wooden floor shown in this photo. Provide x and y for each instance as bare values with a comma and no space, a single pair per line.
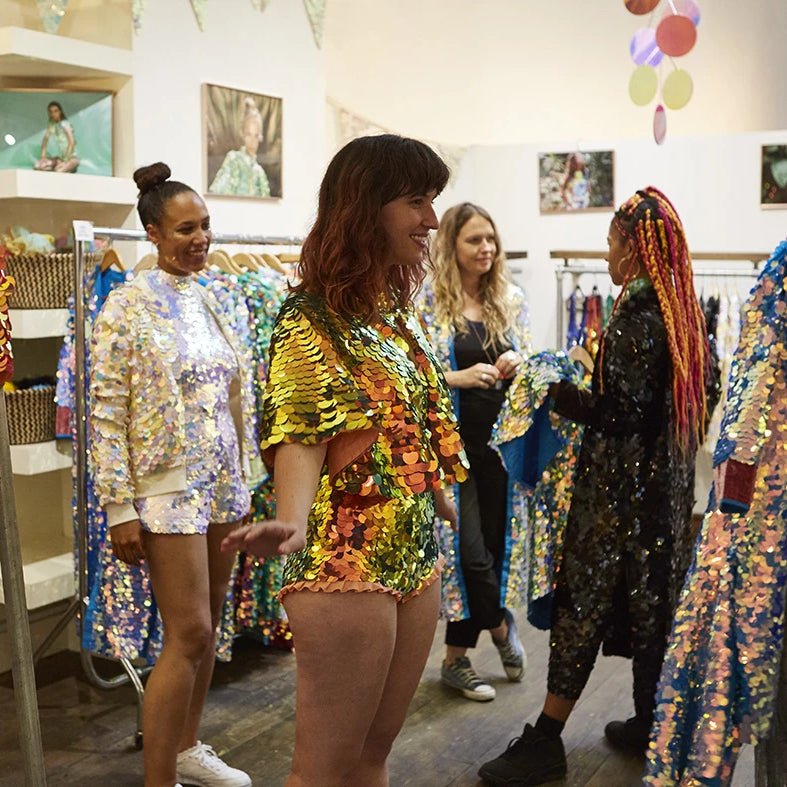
88,733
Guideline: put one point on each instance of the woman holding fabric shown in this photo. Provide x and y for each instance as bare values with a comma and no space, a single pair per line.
628,536
174,454
359,430
478,322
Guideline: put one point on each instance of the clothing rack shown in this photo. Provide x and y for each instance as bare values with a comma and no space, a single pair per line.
573,264
84,235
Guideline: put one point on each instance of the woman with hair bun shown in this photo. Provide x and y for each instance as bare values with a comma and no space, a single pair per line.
628,535
359,430
174,455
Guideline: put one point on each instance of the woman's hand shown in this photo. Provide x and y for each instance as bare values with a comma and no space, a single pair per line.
508,363
266,539
480,375
127,542
445,508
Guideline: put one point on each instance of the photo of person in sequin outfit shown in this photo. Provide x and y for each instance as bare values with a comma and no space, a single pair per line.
628,534
174,457
479,326
359,430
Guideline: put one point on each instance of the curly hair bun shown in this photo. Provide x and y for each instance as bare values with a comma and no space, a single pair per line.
151,176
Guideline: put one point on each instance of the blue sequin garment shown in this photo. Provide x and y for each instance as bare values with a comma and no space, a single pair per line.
721,667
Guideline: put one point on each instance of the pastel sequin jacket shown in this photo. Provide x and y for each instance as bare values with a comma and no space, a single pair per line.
136,405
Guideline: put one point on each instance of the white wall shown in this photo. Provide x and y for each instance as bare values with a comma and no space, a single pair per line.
271,53
713,181
513,71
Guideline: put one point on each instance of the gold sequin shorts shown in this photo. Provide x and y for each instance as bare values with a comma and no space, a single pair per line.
356,544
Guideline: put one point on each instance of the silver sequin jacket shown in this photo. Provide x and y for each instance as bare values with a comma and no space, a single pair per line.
136,405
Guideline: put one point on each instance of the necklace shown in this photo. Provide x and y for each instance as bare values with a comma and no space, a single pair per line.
498,385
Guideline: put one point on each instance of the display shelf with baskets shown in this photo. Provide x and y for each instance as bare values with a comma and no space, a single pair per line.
37,458
47,581
31,54
29,184
38,323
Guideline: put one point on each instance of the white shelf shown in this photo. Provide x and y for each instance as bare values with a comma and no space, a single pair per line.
30,54
47,581
38,323
29,184
37,458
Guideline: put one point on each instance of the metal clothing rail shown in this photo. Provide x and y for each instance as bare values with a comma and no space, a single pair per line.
576,269
29,726
80,602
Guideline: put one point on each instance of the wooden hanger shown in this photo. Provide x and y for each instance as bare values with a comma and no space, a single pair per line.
223,261
247,261
579,353
146,263
110,258
274,263
289,258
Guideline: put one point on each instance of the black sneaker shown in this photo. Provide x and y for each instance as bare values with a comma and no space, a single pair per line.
529,760
631,735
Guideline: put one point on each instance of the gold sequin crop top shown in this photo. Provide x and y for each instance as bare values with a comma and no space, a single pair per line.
375,393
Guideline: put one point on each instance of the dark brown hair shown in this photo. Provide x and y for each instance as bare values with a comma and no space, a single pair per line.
155,190
343,256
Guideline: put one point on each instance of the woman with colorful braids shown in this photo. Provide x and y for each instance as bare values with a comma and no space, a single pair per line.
628,540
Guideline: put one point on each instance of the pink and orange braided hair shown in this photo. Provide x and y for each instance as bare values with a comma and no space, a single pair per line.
650,220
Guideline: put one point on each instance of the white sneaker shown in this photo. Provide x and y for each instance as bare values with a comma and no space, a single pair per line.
200,766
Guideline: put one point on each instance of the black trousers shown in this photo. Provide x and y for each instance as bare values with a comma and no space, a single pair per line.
483,501
638,589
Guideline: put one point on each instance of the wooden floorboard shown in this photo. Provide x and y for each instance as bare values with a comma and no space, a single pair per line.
88,733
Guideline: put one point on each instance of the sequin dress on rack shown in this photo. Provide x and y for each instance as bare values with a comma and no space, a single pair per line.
720,671
375,394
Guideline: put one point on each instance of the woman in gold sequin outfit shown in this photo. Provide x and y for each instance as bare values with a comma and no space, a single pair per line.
359,429
174,453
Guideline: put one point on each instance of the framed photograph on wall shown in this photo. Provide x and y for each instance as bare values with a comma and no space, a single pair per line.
242,141
773,178
577,181
56,131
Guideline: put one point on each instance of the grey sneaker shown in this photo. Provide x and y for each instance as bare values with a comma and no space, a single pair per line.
460,675
512,652
202,767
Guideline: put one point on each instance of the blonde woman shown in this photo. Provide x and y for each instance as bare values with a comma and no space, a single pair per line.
241,174
479,326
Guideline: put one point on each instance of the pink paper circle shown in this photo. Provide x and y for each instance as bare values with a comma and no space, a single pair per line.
687,8
676,35
639,7
643,48
659,125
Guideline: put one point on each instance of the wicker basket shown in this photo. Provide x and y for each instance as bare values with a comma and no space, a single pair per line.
43,281
31,415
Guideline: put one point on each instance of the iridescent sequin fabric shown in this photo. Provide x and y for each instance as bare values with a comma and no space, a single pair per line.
722,664
207,368
627,540
454,598
539,450
376,396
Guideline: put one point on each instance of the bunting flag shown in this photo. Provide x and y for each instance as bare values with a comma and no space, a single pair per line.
200,7
260,5
347,126
137,12
315,10
51,13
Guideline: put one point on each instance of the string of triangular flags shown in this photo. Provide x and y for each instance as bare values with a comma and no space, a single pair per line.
345,125
52,12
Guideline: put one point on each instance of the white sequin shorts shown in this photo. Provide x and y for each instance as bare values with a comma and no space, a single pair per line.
213,498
